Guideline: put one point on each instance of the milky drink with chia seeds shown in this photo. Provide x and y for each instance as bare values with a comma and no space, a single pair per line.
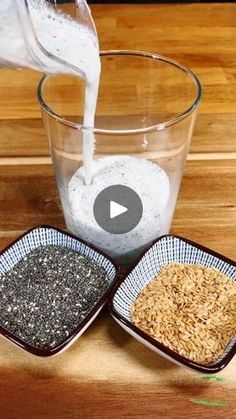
146,178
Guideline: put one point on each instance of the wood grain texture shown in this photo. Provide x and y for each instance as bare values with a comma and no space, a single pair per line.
213,133
107,374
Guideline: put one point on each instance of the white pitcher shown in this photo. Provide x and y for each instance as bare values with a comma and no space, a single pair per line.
30,32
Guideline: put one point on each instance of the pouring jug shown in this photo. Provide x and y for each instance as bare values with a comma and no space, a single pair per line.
30,30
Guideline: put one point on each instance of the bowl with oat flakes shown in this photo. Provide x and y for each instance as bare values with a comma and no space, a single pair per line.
180,301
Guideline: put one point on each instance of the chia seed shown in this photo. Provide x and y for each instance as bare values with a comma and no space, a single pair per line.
47,294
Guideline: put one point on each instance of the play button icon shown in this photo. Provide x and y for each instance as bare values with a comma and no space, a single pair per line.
118,209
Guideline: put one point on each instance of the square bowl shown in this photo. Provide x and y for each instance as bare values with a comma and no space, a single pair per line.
167,249
46,235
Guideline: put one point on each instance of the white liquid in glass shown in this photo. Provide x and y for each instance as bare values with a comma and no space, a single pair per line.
147,179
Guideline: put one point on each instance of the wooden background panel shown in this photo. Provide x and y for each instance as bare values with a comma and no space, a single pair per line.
214,133
26,137
18,101
23,137
30,191
18,94
181,15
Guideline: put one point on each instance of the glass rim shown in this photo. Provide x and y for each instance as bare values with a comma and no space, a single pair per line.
156,127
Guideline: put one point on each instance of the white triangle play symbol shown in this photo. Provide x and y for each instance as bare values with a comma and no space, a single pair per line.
116,209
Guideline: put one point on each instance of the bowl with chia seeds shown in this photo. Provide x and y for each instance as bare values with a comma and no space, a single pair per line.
52,286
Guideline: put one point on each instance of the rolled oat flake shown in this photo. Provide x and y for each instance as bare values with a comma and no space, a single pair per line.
47,294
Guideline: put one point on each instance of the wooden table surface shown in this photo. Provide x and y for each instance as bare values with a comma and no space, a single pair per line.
107,374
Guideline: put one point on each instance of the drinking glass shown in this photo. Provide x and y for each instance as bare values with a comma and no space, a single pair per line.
146,109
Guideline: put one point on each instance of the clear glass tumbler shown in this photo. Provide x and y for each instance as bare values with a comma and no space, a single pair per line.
144,121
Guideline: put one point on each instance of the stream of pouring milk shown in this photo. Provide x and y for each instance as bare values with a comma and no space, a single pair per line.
78,46
73,43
